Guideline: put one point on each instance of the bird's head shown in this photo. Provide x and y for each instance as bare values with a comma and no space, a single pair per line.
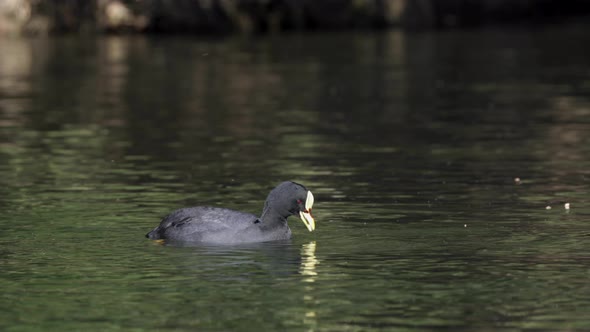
291,198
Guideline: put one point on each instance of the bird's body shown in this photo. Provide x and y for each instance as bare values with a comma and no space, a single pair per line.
215,225
206,224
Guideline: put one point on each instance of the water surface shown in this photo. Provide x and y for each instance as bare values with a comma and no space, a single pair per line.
411,144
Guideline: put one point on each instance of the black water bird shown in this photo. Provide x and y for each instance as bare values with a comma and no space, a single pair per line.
207,224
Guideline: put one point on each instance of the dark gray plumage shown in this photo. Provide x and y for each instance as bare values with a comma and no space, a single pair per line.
219,225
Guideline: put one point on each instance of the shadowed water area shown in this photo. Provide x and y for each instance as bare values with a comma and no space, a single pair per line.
410,143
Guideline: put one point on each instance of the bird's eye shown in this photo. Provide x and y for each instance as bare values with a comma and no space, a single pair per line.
299,202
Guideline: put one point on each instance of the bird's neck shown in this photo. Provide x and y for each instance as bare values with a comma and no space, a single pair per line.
271,218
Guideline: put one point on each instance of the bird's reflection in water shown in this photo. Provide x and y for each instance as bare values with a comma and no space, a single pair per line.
248,263
308,262
309,273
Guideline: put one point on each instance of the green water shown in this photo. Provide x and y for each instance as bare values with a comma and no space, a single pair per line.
411,144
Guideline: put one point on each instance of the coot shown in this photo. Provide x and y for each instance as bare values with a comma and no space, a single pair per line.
220,225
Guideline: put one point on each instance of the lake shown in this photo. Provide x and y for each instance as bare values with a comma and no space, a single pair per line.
441,164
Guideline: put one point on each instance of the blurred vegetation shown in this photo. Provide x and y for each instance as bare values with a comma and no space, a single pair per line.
261,16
